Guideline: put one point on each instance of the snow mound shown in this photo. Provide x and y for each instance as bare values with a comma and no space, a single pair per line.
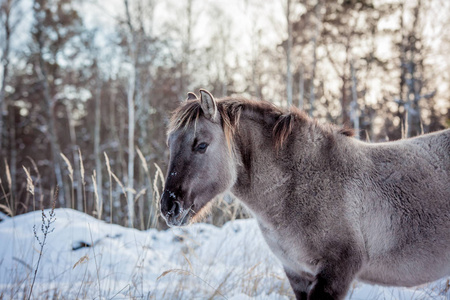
86,258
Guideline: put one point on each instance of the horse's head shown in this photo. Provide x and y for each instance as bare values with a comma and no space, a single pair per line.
201,164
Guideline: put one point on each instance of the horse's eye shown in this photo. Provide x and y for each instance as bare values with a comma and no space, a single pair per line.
201,147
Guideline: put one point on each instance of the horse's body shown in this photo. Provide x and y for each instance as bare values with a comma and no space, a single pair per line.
330,207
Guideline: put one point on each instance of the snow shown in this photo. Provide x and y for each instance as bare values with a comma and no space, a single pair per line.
200,261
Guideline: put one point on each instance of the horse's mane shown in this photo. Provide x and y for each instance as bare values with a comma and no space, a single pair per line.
230,110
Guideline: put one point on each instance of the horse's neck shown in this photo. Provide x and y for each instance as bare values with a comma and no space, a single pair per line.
263,179
268,179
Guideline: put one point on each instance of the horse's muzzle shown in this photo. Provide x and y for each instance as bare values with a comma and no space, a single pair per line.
173,212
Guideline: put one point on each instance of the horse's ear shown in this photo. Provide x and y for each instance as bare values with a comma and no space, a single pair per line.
209,105
191,96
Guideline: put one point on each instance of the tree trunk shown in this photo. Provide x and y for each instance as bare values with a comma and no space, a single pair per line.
13,154
312,93
344,101
131,123
6,10
97,139
49,106
301,87
76,184
186,56
288,55
3,106
115,137
414,84
354,105
131,119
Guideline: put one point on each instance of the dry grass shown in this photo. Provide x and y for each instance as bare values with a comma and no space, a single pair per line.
24,286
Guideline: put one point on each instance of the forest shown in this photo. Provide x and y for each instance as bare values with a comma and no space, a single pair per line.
87,86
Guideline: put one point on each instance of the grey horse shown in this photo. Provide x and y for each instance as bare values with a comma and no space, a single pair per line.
330,207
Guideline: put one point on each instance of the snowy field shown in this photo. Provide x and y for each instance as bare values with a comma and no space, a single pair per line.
197,262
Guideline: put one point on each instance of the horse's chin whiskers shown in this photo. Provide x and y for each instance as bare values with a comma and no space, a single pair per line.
183,212
190,208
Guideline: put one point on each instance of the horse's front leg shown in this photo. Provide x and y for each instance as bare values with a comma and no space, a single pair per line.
334,278
300,283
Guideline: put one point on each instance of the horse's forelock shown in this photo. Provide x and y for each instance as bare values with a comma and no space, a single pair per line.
189,113
185,114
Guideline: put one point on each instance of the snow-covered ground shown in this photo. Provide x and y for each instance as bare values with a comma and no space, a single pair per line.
197,262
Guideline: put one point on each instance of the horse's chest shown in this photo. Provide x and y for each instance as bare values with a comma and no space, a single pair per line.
290,251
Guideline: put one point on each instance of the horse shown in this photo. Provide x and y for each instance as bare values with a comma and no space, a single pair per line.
331,208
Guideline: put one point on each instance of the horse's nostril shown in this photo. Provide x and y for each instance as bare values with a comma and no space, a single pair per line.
174,210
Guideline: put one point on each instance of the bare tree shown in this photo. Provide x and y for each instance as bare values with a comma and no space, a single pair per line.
186,51
354,114
97,138
40,37
288,54
9,25
301,87
317,29
131,94
412,68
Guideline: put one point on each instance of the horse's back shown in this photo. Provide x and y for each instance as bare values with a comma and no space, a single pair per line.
406,210
419,164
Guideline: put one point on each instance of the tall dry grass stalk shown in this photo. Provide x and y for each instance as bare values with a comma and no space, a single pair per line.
37,182
143,161
83,182
405,127
96,265
108,167
46,229
137,199
367,136
153,222
98,204
9,181
189,273
30,186
70,169
124,190
9,207
149,185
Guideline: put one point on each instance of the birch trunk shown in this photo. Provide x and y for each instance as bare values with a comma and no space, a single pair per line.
354,105
5,10
186,55
301,87
76,165
3,107
312,92
49,103
131,117
13,153
288,55
97,138
414,84
131,123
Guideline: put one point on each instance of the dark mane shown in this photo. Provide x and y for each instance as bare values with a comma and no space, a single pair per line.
230,110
